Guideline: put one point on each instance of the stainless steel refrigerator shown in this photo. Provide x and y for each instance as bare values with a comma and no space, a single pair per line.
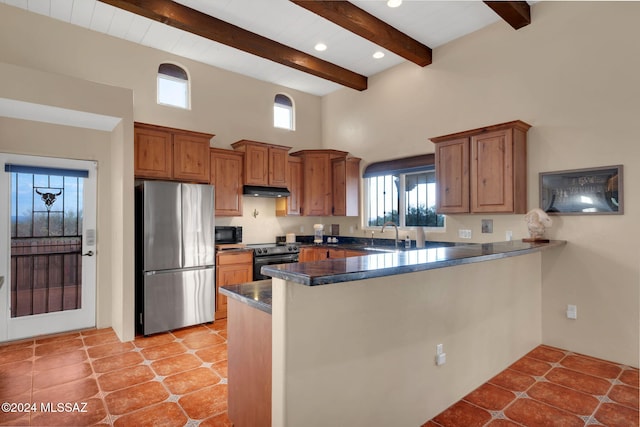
175,255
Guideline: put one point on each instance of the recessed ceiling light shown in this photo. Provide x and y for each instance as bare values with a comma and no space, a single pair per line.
320,47
394,3
378,55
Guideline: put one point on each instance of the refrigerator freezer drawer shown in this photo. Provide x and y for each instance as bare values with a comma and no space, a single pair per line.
177,299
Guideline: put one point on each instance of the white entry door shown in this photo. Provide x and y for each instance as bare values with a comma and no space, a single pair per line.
47,245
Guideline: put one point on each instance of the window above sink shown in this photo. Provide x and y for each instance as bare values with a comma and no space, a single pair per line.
402,191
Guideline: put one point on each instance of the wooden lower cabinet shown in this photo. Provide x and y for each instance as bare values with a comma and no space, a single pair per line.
309,254
318,253
249,365
232,267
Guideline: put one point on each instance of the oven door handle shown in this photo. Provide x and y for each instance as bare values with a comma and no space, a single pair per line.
283,259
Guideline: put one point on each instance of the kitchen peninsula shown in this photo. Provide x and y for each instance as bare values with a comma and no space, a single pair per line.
353,340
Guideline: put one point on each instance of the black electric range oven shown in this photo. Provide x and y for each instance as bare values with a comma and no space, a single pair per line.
272,253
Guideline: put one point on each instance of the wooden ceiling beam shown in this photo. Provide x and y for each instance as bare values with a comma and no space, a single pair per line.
356,20
196,22
515,13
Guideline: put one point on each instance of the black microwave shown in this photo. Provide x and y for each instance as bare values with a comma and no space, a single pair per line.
228,234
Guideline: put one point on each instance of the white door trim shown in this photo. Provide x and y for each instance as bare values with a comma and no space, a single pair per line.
85,317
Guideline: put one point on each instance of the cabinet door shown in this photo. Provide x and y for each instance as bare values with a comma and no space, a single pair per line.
345,184
292,205
190,158
278,167
152,153
305,255
232,269
352,253
309,254
452,176
257,165
317,185
492,172
226,176
337,253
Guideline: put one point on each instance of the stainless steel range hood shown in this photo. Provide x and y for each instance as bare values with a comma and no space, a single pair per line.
258,191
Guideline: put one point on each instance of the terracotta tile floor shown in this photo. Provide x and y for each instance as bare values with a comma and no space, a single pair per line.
550,387
171,379
180,378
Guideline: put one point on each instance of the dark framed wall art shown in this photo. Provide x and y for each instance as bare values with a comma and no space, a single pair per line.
582,191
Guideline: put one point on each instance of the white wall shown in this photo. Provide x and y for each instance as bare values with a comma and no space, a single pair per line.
362,353
573,75
226,104
112,150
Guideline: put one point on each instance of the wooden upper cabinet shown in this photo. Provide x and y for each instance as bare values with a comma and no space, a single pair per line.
265,164
331,182
495,159
257,165
345,175
317,184
153,153
191,157
226,177
167,153
278,167
316,178
452,176
292,205
492,172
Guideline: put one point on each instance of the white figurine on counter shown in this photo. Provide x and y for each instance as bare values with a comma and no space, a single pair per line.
537,222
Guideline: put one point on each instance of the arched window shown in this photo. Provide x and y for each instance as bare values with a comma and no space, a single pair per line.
283,112
173,86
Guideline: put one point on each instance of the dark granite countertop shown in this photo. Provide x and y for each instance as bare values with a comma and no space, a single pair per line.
258,294
255,294
398,262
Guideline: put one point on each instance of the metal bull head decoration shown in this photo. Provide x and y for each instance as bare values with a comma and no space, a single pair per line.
48,198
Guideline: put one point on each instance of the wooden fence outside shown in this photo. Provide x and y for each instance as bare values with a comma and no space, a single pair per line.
46,275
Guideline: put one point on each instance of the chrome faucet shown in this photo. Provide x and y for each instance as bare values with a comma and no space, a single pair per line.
394,226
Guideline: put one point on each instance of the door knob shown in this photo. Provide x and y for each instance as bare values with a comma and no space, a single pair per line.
90,253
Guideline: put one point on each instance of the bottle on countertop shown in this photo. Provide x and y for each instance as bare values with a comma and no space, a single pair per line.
420,237
318,233
407,243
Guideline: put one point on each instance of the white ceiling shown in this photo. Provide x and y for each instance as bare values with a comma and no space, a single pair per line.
432,23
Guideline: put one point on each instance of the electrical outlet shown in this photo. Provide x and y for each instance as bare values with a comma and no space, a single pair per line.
464,234
509,235
572,311
487,226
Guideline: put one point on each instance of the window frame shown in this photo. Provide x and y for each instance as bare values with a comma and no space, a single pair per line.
168,77
291,108
400,168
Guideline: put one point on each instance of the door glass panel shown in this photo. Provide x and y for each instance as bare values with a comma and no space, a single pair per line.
46,243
